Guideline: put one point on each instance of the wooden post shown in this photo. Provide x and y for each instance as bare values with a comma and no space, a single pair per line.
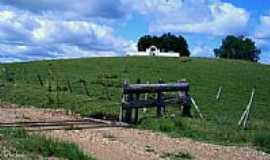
162,95
160,103
123,109
23,74
8,75
50,73
121,114
129,109
57,94
159,97
145,98
40,80
49,84
50,78
136,118
84,85
69,86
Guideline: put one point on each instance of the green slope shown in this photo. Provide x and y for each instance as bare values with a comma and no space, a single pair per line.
104,78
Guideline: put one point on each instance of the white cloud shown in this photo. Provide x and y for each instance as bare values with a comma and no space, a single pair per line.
194,16
28,36
201,51
78,9
265,57
263,30
262,38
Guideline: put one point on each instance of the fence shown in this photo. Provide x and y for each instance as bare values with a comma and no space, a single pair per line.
57,86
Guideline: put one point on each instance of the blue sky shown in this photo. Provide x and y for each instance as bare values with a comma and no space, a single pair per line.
46,29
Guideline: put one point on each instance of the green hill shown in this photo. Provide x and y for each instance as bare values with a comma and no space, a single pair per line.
104,77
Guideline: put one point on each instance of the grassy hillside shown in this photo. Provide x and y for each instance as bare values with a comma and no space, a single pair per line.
104,77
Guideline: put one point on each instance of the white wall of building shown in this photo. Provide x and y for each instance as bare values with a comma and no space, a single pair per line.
154,51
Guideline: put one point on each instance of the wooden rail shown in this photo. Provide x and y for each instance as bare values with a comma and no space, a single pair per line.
153,88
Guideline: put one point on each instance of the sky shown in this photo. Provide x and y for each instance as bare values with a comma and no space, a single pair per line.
60,29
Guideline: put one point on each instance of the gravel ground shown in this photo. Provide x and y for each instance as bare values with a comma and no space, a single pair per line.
128,144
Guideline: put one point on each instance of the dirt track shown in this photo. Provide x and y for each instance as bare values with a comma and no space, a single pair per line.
128,144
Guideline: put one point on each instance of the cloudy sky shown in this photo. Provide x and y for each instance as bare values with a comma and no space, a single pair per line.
51,29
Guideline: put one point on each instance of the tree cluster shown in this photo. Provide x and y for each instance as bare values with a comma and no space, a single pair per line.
238,47
166,43
233,47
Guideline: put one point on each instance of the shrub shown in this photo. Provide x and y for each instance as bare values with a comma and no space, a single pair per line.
166,125
262,141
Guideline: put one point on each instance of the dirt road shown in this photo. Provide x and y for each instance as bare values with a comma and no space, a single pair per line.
109,143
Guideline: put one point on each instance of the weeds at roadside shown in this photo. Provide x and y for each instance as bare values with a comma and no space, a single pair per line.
262,141
41,145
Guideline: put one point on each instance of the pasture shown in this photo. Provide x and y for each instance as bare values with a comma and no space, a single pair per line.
93,87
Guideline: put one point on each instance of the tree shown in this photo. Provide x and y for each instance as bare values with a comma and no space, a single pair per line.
145,42
166,43
238,47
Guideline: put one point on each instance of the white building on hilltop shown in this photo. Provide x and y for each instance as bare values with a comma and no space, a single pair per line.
154,51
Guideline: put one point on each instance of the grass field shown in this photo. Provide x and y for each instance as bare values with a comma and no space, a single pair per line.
104,78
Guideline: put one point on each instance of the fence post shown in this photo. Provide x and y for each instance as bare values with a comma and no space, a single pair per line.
40,80
69,86
145,98
121,113
49,85
8,75
83,82
123,110
245,115
160,102
23,74
137,109
197,108
57,94
129,109
219,93
128,114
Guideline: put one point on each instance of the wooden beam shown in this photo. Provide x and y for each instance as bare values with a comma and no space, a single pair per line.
154,88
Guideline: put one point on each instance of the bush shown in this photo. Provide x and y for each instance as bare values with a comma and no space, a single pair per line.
262,141
166,126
